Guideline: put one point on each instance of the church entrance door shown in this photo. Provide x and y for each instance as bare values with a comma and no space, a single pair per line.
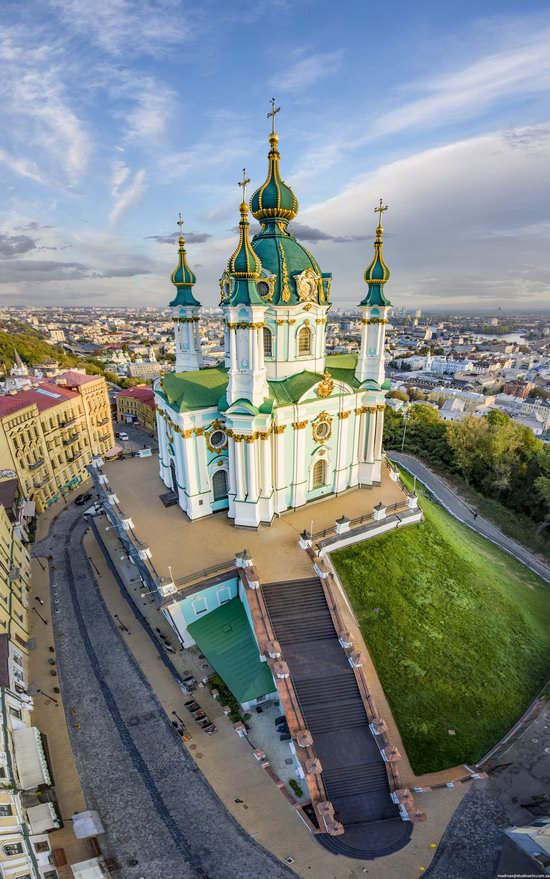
219,485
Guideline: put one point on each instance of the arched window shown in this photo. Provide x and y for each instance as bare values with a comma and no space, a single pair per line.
304,341
219,485
319,474
268,343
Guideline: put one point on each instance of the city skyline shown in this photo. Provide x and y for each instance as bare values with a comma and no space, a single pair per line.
117,118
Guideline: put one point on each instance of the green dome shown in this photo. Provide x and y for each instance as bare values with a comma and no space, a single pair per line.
286,260
377,274
244,263
183,279
274,199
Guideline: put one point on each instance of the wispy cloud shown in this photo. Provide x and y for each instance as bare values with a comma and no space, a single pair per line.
119,27
22,166
306,70
190,237
129,197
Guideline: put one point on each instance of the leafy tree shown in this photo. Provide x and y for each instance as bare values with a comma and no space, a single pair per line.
398,394
467,440
542,486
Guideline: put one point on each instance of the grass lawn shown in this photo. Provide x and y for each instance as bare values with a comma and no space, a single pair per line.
457,629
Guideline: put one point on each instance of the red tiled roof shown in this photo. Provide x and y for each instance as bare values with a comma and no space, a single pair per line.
145,394
44,397
73,379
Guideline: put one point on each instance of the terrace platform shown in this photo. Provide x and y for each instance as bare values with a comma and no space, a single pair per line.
187,546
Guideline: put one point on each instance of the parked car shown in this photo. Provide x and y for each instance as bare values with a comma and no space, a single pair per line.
83,499
123,436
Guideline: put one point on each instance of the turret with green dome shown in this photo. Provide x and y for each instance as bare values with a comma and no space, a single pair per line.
182,277
377,273
238,284
292,275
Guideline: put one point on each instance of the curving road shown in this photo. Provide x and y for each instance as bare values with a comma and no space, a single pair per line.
461,511
161,816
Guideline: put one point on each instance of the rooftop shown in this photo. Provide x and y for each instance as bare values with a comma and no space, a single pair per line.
202,388
43,397
226,639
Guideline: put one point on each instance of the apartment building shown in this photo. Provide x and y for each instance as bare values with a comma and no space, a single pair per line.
137,405
49,433
25,851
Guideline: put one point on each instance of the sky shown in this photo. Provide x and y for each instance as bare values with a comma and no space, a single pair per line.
117,114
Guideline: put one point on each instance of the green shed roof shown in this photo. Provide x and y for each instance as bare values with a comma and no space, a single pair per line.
202,388
227,641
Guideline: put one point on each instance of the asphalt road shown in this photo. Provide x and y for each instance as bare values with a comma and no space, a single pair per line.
138,437
161,816
461,511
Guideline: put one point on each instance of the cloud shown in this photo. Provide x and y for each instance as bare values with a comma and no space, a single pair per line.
119,175
129,197
13,245
304,72
445,205
190,238
309,233
120,27
17,270
36,108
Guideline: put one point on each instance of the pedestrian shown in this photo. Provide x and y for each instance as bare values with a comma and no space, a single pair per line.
37,598
475,516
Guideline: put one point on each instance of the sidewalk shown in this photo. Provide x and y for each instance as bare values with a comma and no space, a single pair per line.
461,511
226,760
49,717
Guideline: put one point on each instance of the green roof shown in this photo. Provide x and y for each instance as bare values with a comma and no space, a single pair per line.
202,388
226,639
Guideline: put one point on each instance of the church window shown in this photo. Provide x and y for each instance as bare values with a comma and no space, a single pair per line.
199,605
219,485
263,288
304,341
268,342
319,474
218,439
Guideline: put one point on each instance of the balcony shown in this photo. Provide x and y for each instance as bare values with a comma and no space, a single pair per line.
41,482
70,421
34,465
74,457
70,439
102,421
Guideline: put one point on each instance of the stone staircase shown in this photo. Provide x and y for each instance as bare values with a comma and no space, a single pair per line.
353,770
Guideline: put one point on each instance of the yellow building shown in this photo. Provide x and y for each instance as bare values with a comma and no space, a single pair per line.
137,405
49,433
24,821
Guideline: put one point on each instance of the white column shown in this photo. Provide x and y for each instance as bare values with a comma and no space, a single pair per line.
233,339
202,459
240,476
379,434
369,457
342,472
189,462
299,485
252,475
267,474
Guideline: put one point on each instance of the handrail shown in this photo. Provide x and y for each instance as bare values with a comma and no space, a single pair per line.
197,575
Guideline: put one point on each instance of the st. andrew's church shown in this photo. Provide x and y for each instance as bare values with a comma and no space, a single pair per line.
280,423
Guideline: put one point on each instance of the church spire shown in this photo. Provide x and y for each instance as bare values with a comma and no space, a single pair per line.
182,277
377,274
244,263
274,199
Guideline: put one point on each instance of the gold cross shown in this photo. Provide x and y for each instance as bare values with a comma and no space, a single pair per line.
180,223
380,210
243,183
271,115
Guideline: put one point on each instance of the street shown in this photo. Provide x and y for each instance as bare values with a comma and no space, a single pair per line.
162,817
461,511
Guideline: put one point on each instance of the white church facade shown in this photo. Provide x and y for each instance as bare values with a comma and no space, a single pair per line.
280,424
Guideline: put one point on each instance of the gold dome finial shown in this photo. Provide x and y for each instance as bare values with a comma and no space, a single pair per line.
380,210
272,114
180,224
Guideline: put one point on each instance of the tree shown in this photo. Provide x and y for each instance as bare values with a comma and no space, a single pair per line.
542,486
393,429
398,394
467,439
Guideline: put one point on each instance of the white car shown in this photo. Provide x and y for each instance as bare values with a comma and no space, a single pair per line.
123,436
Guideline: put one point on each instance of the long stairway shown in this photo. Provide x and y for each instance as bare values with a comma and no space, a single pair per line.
354,772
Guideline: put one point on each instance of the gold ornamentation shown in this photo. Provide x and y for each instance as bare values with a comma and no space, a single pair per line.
321,428
293,321
363,410
225,287
299,425
374,320
308,306
326,386
307,285
342,415
380,210
244,325
185,320
285,296
279,323
270,281
381,407
216,425
279,428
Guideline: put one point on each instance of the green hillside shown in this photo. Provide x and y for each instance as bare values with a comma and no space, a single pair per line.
457,630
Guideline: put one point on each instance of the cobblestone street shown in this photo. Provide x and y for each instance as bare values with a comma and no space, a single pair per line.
162,817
